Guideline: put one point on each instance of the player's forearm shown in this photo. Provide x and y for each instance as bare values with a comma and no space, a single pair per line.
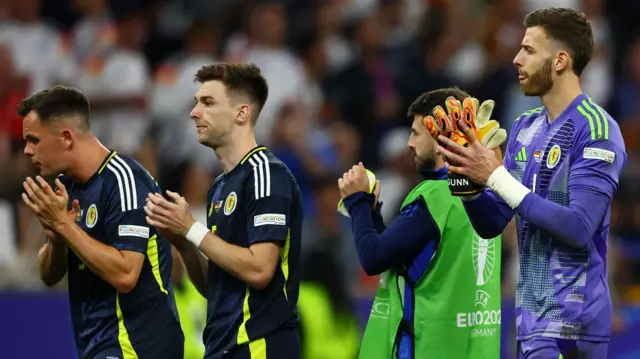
196,265
489,215
378,221
397,244
103,260
574,225
238,261
52,262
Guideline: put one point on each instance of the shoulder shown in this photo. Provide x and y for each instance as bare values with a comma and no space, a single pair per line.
593,123
127,183
268,176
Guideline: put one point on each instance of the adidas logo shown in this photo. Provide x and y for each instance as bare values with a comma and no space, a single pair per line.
521,156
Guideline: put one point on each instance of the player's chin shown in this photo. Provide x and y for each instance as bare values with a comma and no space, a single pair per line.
528,90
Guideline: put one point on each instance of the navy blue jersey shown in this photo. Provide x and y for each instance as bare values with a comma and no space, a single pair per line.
258,201
144,322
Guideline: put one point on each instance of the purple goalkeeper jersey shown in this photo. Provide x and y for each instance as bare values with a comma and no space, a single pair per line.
572,166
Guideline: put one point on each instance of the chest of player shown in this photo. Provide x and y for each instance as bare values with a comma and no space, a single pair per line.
542,155
226,214
90,217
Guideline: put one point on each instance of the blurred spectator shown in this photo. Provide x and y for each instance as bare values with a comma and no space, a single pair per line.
95,31
171,101
424,69
38,49
399,174
309,154
329,25
597,79
282,70
116,80
365,92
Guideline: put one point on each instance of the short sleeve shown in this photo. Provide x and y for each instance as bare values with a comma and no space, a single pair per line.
270,201
126,225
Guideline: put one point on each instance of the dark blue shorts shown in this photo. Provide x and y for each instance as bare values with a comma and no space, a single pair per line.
552,348
283,344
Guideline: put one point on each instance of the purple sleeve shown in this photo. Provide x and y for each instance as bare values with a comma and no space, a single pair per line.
489,214
593,181
406,236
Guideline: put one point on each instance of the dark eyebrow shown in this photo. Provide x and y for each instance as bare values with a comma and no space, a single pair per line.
31,138
204,98
527,47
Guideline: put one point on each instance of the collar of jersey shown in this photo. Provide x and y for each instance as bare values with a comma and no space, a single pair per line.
567,111
101,169
245,159
439,174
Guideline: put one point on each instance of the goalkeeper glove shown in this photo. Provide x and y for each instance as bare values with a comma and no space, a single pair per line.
478,119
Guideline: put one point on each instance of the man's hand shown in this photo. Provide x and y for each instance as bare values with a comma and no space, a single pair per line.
173,217
474,162
49,207
356,180
50,233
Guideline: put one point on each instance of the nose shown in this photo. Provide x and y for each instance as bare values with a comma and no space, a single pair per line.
28,150
517,61
194,114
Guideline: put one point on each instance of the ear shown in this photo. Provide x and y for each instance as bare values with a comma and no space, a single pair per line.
68,137
244,113
562,62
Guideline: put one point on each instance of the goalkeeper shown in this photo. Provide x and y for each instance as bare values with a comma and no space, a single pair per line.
439,293
561,170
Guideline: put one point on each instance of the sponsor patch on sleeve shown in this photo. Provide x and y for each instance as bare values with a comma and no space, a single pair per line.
593,153
133,231
269,219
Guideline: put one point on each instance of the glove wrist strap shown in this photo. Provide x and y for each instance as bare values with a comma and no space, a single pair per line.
507,187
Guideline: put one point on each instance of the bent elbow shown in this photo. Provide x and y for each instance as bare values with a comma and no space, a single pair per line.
126,283
260,280
370,269
48,281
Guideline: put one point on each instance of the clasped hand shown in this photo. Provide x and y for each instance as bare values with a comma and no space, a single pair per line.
174,217
50,207
474,162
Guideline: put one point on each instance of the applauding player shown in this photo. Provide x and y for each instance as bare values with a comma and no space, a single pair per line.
428,255
251,240
560,173
119,268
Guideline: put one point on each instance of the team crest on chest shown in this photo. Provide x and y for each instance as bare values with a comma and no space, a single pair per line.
92,216
554,156
230,203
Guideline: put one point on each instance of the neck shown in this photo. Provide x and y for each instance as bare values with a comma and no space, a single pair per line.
232,153
563,92
90,156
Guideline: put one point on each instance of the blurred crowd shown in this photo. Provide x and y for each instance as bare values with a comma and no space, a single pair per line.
341,75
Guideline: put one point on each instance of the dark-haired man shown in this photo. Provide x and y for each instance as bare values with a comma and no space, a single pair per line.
251,242
561,170
119,267
429,254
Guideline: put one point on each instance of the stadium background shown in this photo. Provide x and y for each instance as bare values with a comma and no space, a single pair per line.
341,75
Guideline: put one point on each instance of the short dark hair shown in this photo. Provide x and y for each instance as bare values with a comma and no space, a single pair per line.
426,102
568,26
55,102
238,77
